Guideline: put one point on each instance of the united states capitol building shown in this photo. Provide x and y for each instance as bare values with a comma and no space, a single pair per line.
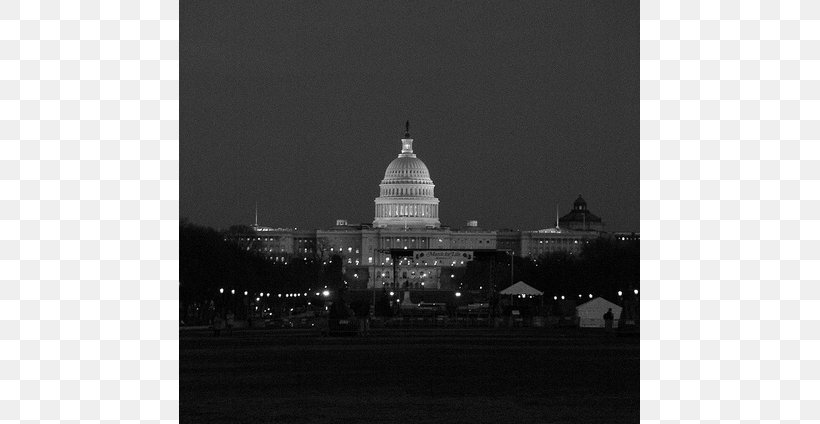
406,245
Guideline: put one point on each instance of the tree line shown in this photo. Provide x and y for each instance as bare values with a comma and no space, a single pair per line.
209,261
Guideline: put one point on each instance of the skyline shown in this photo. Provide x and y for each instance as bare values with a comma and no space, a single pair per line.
513,108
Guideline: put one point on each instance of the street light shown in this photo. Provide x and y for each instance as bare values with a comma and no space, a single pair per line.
221,291
326,293
512,266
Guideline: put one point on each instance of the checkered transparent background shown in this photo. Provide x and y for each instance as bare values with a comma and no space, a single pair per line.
88,211
730,211
730,102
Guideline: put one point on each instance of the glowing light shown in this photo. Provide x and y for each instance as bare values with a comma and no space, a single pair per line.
555,297
590,295
458,294
391,293
246,292
620,293
562,297
233,291
221,290
280,295
326,293
636,291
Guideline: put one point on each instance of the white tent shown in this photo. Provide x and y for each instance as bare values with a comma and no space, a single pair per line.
520,288
591,314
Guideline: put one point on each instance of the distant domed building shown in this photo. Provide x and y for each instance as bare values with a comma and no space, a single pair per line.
580,218
406,194
406,247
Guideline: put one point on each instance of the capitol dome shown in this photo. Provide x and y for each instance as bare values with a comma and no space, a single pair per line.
408,170
406,194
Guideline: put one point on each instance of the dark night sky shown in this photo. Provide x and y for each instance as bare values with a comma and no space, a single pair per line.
514,107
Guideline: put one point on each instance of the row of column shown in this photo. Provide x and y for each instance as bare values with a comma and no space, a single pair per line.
407,192
406,210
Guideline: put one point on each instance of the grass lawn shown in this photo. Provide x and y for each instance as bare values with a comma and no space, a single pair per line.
419,376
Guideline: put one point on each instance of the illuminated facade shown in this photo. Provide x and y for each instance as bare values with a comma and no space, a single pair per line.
406,194
406,217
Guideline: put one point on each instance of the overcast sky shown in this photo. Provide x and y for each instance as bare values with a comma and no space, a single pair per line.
514,107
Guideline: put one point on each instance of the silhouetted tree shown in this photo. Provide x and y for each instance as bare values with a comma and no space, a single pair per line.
383,305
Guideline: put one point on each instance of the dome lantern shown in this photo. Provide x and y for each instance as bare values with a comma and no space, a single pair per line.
407,143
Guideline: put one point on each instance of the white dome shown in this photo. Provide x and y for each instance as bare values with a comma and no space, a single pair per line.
406,194
408,170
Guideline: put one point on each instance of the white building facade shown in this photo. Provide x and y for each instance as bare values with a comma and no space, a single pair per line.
406,217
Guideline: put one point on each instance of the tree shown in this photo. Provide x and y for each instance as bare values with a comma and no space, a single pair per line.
383,305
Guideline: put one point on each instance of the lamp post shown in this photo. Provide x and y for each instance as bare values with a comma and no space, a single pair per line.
373,279
512,267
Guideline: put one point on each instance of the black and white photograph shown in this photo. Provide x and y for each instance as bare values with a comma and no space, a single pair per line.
409,212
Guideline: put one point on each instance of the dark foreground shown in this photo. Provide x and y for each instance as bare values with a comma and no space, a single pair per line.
418,376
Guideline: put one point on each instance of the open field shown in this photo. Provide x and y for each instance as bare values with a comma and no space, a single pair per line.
523,375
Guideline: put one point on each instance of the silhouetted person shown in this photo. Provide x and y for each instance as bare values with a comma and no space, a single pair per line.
229,322
218,325
608,319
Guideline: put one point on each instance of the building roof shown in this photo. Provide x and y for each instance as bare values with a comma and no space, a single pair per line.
407,170
580,213
520,288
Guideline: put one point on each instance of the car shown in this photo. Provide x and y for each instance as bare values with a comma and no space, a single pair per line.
350,326
278,323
